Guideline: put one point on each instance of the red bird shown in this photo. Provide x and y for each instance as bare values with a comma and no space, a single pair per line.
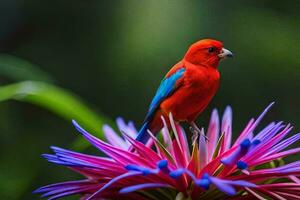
187,88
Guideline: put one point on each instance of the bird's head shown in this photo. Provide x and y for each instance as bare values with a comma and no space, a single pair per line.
207,52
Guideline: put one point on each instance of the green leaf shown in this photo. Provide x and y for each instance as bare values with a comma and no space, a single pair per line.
59,101
20,70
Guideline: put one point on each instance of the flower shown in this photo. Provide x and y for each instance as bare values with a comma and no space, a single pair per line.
166,168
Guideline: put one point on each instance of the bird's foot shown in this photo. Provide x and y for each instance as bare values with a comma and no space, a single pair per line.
196,132
195,135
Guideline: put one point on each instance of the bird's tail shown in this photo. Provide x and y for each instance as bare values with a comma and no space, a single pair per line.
143,135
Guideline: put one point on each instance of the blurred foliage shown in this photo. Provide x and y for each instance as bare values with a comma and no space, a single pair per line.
57,100
20,70
113,54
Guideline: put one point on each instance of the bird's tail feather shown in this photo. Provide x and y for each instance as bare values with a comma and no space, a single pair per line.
143,135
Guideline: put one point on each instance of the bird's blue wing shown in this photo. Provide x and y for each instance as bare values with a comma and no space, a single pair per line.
167,86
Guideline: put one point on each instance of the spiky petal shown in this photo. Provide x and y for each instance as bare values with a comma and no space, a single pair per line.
217,168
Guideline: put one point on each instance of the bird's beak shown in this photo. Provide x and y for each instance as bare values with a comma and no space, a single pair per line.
225,53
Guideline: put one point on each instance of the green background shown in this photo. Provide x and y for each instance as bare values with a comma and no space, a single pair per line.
113,54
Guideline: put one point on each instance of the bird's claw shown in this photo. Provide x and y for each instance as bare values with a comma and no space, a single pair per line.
195,135
196,132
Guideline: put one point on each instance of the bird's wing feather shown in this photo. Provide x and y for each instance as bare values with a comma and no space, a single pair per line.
166,88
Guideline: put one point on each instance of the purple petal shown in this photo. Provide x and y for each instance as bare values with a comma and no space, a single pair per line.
177,173
129,129
145,171
260,117
276,156
240,183
267,135
236,155
252,124
162,164
263,147
121,156
265,131
226,185
291,167
132,127
223,186
61,185
142,187
232,158
59,190
121,124
100,162
282,145
112,181
113,138
78,191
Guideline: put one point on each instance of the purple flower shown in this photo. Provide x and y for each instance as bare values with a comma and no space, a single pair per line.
167,168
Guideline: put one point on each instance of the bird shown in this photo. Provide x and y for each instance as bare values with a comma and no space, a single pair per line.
187,88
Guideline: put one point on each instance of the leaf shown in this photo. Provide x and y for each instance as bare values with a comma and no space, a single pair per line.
18,69
57,100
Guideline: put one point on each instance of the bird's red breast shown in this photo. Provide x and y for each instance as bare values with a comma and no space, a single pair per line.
197,87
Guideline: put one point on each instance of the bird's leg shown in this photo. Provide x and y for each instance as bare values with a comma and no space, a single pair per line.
195,135
196,131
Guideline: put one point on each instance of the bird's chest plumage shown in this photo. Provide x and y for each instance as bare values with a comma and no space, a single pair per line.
198,87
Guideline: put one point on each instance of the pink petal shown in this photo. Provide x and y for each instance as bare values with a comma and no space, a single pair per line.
183,142
227,128
295,179
143,151
215,163
120,155
202,150
213,133
166,136
245,133
178,155
255,194
175,130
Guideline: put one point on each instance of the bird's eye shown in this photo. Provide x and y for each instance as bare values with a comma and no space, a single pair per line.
211,49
